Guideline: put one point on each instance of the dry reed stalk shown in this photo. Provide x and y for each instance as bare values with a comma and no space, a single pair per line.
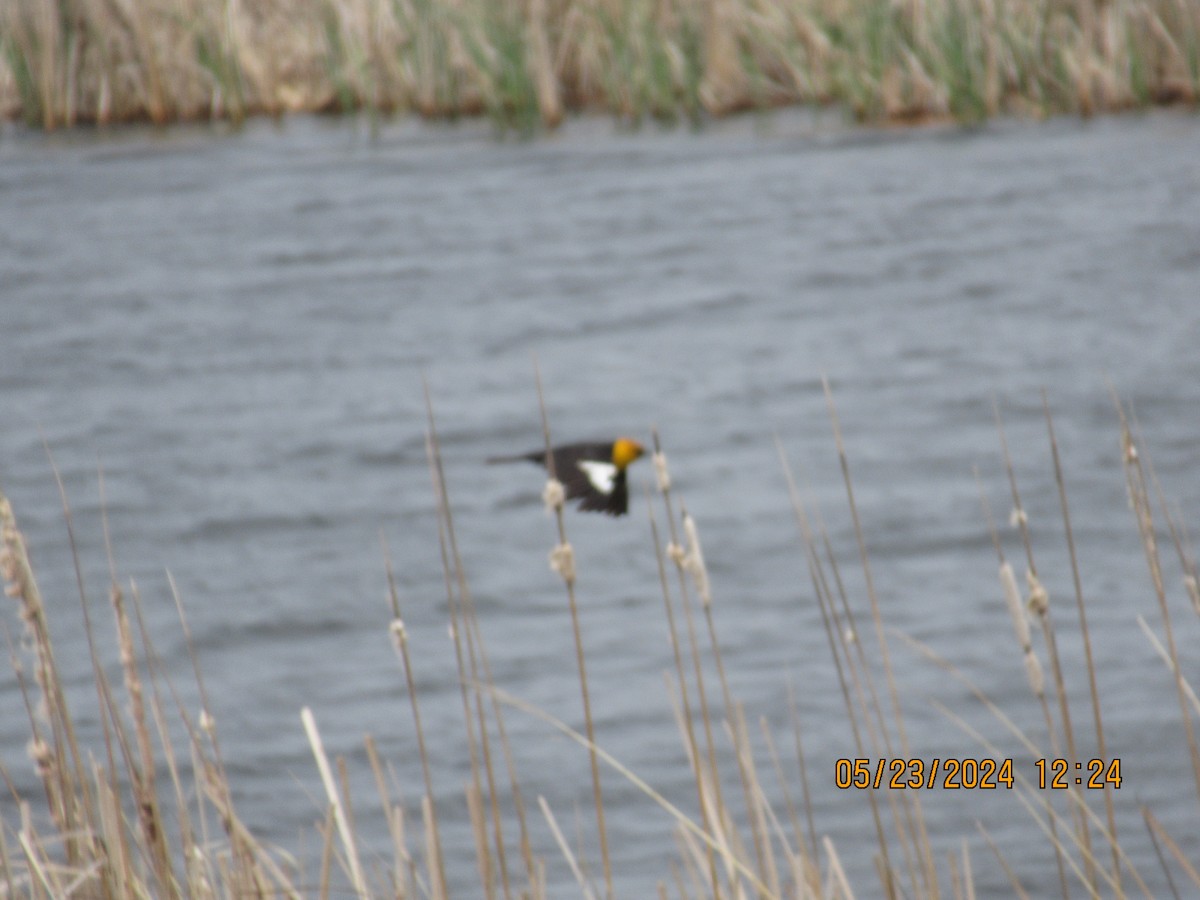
254,870
806,793
1036,796
1182,542
453,575
757,810
807,861
116,855
399,635
563,562
402,863
1014,882
687,828
1162,862
1136,482
693,561
327,830
1085,635
1026,794
542,63
199,885
837,640
720,838
8,874
462,606
565,849
1039,604
1164,655
1030,662
108,853
335,801
142,772
688,728
686,564
869,709
1157,830
914,830
58,760
723,88
991,56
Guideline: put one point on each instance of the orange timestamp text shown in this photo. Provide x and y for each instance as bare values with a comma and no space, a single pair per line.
1092,774
968,773
950,773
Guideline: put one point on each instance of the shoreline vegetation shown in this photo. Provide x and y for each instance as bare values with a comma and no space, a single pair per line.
145,807
528,64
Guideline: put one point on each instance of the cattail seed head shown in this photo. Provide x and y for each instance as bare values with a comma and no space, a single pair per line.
661,475
1016,609
43,759
1039,600
1033,671
695,561
562,561
553,495
398,633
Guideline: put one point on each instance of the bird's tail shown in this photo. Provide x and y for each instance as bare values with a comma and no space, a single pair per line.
518,457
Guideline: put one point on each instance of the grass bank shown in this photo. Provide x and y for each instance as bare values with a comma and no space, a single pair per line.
147,809
529,63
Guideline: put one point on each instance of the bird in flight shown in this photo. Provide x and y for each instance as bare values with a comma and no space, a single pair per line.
593,473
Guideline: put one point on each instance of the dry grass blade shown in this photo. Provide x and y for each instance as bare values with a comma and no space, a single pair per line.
1159,833
1018,891
1085,635
563,561
399,635
1165,656
98,824
712,812
629,775
334,798
565,849
1135,478
1039,603
837,639
462,606
685,716
911,825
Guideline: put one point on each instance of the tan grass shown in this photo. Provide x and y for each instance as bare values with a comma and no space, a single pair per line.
108,824
523,62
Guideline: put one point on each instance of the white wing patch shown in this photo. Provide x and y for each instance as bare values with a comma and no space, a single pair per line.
602,475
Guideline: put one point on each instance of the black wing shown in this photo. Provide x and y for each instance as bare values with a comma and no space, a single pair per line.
615,503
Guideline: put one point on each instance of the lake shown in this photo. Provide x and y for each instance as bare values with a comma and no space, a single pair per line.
234,329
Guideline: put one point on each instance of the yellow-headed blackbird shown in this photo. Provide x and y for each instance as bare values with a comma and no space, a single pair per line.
592,473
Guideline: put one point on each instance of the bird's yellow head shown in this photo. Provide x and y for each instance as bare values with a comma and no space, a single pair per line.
625,451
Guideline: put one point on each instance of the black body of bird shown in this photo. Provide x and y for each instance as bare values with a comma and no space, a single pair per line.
592,473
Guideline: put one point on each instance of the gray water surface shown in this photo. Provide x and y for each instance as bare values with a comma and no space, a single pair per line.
234,330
